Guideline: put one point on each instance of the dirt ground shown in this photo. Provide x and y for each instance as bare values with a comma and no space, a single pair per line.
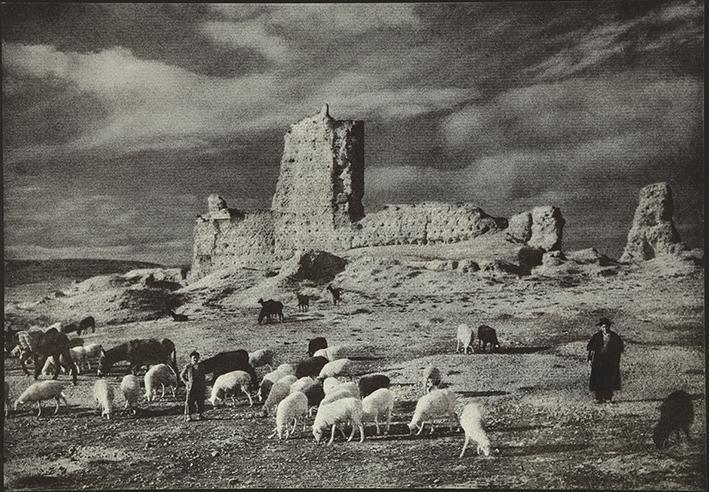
545,429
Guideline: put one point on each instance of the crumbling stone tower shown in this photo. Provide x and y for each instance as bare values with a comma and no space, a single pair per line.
321,184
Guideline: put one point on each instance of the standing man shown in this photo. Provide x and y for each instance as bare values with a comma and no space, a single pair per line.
604,351
193,377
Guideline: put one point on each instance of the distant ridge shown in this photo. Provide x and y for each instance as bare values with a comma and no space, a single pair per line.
19,272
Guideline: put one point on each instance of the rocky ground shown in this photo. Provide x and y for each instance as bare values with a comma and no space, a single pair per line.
397,316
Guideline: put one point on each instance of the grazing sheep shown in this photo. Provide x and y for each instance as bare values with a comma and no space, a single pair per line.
49,366
78,356
93,352
339,394
103,396
339,367
336,352
436,403
380,402
289,410
471,420
310,367
6,395
286,369
228,384
279,391
321,353
487,335
268,381
301,384
431,378
465,338
316,344
40,391
371,383
340,411
159,374
177,317
130,386
330,384
303,302
262,357
270,308
676,413
336,293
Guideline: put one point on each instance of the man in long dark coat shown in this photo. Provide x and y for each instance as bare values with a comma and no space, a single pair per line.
604,351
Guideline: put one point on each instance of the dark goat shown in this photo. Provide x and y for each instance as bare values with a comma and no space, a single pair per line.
53,344
270,308
676,413
177,317
223,362
369,384
487,335
310,367
315,394
316,344
138,352
336,293
83,325
303,302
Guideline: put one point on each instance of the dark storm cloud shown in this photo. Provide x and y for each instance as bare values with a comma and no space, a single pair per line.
507,105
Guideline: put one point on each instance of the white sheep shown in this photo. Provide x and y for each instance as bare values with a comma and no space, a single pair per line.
380,402
268,381
286,369
321,353
339,367
339,412
330,384
159,374
40,391
228,384
130,386
6,395
93,352
291,408
431,378
262,357
465,336
434,404
336,352
103,396
78,357
302,384
49,366
279,391
471,420
337,395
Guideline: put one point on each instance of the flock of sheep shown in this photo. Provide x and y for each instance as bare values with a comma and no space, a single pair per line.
322,384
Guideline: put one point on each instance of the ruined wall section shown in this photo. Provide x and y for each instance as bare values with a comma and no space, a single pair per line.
244,239
320,186
424,223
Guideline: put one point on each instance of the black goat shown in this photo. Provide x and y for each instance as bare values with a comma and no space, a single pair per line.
303,302
336,293
676,413
316,344
369,384
224,362
270,308
487,335
178,317
310,367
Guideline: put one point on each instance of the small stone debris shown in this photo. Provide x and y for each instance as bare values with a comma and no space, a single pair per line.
214,454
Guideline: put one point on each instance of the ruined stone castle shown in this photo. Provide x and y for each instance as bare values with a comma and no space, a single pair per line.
318,205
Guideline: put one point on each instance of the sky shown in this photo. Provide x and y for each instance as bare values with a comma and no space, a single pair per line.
118,120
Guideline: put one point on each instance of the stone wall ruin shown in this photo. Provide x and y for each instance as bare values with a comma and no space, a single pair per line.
317,205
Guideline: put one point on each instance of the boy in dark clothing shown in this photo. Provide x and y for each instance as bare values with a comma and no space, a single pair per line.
194,379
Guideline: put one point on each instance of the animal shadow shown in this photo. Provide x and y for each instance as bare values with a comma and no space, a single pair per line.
542,449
